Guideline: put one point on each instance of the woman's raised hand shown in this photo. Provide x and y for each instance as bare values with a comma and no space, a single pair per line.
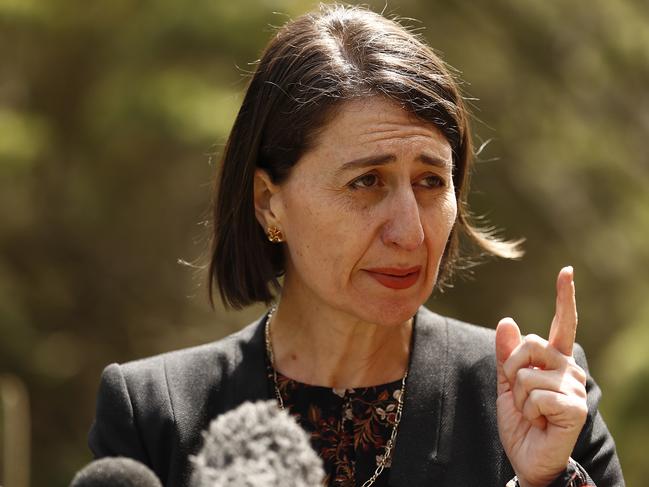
541,392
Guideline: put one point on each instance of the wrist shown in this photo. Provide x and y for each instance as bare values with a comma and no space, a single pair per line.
572,476
519,482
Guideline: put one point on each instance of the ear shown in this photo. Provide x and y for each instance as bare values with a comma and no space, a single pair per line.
266,194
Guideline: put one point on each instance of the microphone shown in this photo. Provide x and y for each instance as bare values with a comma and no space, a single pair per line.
256,445
115,472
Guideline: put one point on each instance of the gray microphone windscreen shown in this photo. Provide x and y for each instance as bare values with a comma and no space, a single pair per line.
256,445
115,472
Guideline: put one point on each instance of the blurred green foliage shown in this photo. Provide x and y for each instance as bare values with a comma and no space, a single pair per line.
113,114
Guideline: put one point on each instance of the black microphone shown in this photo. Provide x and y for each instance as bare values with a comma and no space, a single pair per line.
115,472
256,445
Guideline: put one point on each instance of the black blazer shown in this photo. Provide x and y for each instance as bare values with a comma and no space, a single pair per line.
154,409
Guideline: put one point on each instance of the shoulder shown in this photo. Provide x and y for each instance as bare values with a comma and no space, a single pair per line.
182,380
195,363
186,384
153,409
185,368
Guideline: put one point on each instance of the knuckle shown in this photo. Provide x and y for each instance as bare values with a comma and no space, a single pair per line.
579,408
571,361
580,374
523,376
534,339
571,367
534,343
580,392
535,395
572,388
583,410
530,409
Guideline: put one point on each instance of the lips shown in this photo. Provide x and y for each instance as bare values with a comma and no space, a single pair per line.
394,277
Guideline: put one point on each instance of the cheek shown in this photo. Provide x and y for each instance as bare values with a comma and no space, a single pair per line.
450,211
312,231
442,219
325,237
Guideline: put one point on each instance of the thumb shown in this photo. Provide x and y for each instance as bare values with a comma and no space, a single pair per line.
508,337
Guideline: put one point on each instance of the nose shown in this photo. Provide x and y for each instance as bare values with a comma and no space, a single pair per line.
403,227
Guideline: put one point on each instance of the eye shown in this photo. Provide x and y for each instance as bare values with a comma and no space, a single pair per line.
432,181
365,181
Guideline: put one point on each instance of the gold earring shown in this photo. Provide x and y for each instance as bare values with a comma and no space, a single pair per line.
274,235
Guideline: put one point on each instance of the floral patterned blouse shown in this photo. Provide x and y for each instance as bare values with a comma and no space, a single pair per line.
350,427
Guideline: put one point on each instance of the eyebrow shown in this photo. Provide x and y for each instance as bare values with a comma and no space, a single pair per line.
382,159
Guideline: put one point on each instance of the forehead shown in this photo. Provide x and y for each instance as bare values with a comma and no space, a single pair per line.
376,124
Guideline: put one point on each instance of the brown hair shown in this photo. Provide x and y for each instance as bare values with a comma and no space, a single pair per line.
312,65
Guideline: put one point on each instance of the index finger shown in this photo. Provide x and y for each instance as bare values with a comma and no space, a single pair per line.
564,323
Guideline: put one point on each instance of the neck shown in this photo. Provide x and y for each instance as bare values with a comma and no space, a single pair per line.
330,348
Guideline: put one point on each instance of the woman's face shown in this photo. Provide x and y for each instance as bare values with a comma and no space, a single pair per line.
366,213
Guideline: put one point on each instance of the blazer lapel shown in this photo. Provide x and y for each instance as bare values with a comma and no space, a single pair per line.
420,455
249,378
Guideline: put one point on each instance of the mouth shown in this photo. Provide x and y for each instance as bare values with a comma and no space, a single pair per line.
395,278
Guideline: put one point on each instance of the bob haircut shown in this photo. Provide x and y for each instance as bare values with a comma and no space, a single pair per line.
314,64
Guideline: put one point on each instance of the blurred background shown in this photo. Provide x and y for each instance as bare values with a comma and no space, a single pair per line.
112,118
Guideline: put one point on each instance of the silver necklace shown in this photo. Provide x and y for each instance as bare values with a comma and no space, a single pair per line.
389,446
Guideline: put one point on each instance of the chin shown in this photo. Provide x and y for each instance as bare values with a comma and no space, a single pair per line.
391,313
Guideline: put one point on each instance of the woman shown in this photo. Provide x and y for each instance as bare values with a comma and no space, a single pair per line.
346,172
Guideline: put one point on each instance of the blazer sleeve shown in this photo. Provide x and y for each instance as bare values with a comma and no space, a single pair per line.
114,431
595,448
